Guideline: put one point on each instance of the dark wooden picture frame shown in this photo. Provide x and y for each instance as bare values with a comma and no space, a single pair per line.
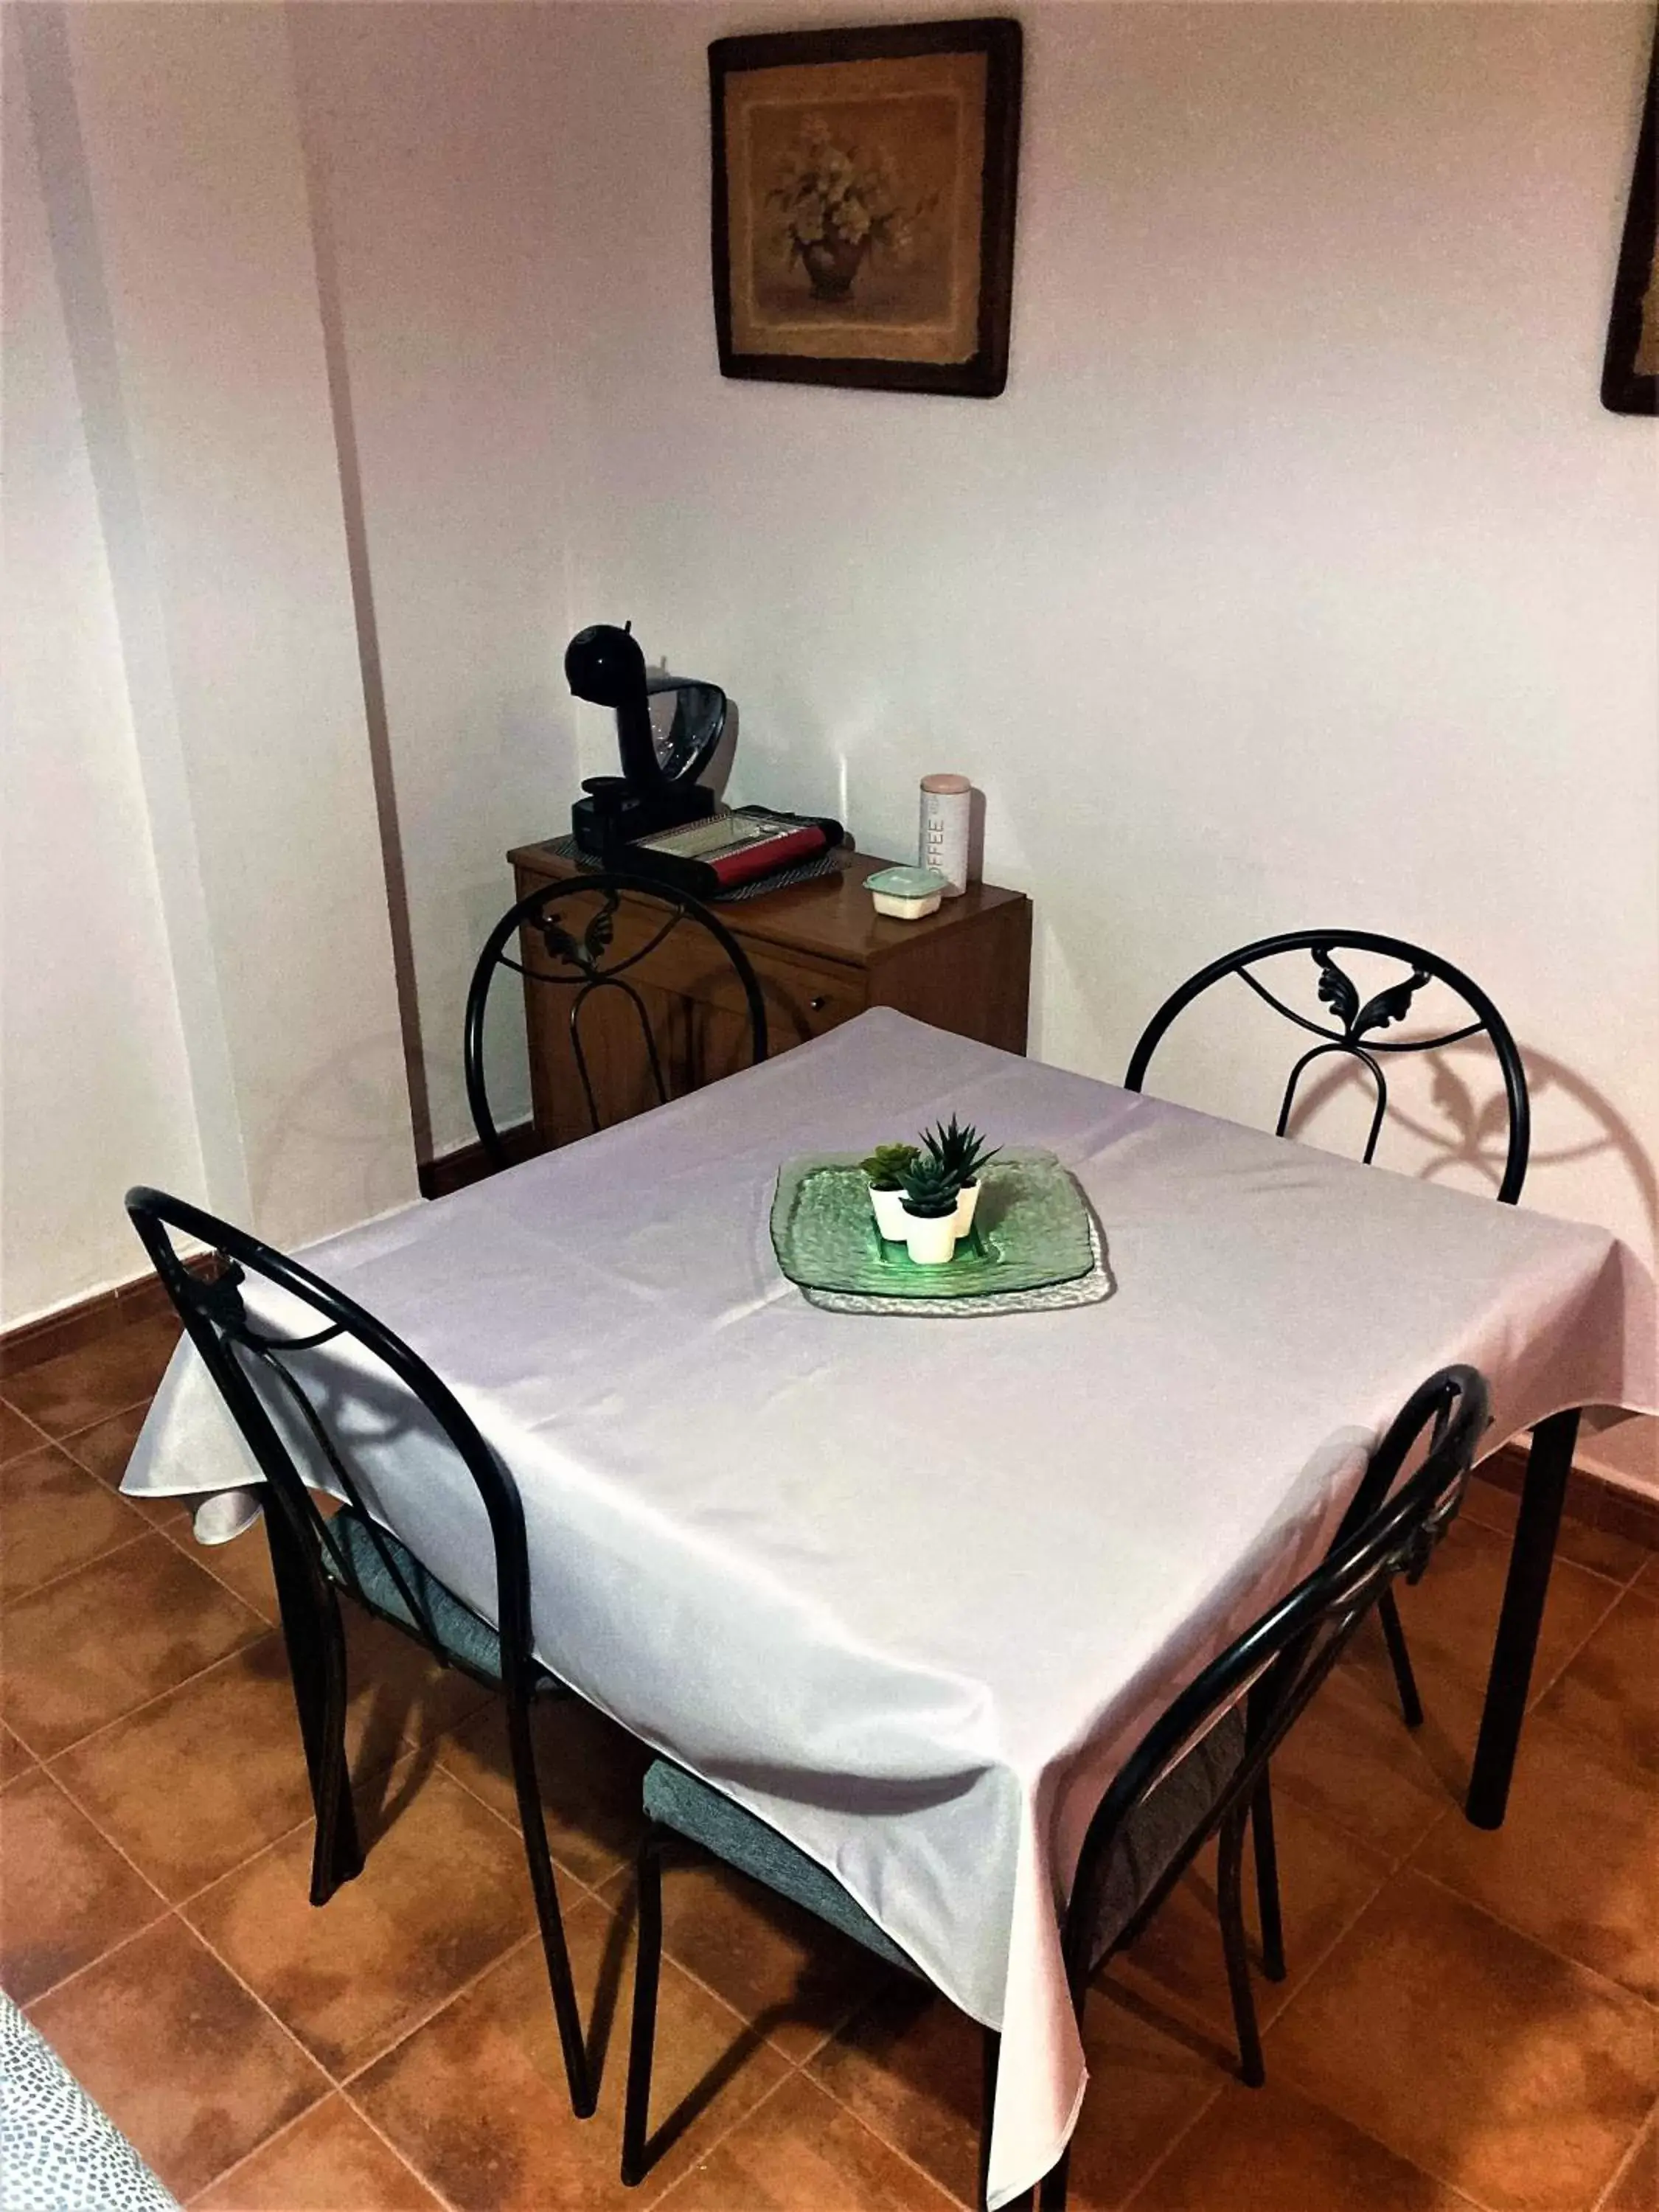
863,215
1630,374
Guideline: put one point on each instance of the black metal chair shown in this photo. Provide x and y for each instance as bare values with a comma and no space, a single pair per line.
282,1403
1197,1772
1354,1039
583,961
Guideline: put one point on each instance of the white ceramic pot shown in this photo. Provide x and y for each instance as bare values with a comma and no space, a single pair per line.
931,1237
890,1217
967,1199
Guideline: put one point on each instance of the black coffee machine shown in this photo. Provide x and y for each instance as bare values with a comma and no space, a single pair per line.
667,730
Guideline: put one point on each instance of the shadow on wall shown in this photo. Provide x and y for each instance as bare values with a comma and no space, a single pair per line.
1463,1126
353,517
338,1107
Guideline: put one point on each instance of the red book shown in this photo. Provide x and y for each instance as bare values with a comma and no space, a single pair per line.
768,854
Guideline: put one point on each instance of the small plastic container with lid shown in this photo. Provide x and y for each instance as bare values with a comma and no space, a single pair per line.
907,894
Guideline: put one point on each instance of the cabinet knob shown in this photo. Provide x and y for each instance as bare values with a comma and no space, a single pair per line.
818,1004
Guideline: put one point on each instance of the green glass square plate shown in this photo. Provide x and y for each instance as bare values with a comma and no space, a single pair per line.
1032,1229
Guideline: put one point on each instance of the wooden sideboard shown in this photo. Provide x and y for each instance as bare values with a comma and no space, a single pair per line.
821,954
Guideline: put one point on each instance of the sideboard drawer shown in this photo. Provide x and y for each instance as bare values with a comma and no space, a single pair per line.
803,999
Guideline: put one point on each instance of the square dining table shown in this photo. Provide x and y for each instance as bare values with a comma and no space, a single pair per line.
911,1587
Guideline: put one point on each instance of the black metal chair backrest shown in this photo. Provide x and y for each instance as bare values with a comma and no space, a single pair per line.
581,960
1356,1037
257,1367
1276,1665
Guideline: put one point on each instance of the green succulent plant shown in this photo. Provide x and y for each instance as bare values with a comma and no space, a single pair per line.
930,1189
961,1152
886,1164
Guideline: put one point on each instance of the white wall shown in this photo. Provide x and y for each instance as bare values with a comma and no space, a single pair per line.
436,136
184,366
1299,575
94,1066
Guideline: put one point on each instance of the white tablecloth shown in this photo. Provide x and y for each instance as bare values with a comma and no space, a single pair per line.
911,1588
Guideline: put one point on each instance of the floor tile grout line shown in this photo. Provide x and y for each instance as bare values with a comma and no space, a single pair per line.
102,1833
110,1952
281,2026
1305,2090
793,2071
853,2008
561,1870
1320,2104
343,2082
192,1551
424,2020
1323,1956
534,1937
133,1711
191,1927
1127,2204
375,2129
288,2127
191,1896
650,2203
1526,1935
111,1414
242,1983
835,2096
1507,1531
18,1414
1197,2017
121,1852
63,1574
1627,2161
406,1749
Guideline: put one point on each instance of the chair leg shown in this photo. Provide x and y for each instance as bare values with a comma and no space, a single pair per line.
1411,1705
526,1783
315,1642
338,1856
991,2055
1266,1852
647,1959
1230,1896
1051,2192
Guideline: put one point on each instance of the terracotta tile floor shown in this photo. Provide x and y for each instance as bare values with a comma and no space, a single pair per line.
1470,2018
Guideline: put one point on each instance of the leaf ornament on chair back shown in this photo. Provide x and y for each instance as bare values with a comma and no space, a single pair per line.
586,951
1337,991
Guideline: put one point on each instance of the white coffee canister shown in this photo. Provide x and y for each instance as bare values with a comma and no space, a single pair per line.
947,805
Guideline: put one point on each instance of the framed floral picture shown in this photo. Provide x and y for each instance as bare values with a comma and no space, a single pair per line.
864,184
1630,374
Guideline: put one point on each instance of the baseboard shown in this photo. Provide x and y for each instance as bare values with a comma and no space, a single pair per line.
470,1163
49,1336
31,1343
1593,1498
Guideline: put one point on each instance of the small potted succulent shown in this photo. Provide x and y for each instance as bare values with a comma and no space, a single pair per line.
930,1196
962,1153
886,1170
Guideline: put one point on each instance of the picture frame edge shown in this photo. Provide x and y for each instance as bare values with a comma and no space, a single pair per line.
1623,391
984,376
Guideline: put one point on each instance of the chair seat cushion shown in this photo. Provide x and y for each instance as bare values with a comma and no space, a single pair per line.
1154,1835
694,1809
1163,1823
459,1630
